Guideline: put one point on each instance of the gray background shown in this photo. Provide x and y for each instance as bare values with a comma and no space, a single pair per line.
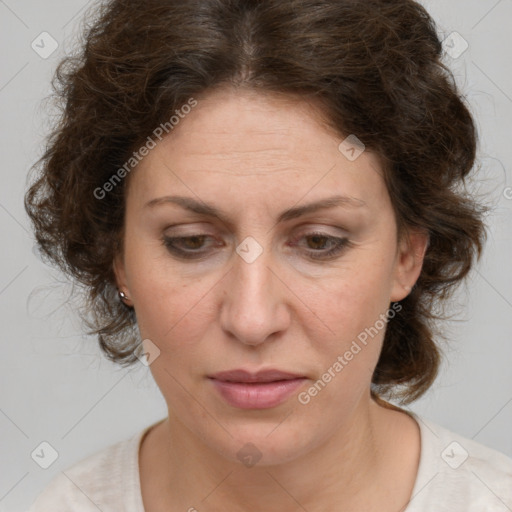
54,384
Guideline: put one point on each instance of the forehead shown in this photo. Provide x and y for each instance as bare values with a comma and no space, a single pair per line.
251,127
261,143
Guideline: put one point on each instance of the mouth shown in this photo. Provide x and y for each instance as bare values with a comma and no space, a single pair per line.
263,376
262,390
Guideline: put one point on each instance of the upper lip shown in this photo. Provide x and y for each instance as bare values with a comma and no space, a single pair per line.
261,376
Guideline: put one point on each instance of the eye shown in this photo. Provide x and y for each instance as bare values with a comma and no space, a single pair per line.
323,246
186,247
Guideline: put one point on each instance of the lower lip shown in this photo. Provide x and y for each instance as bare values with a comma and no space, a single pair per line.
262,395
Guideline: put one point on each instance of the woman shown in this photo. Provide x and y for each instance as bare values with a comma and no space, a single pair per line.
267,193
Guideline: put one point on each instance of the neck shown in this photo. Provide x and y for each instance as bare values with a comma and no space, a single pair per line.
350,468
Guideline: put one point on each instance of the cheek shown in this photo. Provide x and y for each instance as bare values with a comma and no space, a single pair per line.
352,304
169,306
170,312
355,313
352,297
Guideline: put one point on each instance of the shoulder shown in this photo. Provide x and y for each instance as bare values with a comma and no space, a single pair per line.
458,474
102,481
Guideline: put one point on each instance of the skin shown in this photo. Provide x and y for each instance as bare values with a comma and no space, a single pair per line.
254,155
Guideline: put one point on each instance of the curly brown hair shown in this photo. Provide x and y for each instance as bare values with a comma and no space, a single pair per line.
377,68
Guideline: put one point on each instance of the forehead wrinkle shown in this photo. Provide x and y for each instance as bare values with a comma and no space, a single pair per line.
240,174
242,152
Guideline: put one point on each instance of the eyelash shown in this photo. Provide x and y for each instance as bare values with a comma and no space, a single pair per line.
340,244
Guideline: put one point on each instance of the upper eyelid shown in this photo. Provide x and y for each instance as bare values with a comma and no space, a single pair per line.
307,227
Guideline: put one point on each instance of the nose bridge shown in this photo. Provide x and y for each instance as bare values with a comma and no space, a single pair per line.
253,308
253,270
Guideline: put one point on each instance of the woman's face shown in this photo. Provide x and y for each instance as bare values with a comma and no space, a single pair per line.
262,282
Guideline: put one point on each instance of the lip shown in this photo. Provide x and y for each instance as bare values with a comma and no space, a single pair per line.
262,390
240,375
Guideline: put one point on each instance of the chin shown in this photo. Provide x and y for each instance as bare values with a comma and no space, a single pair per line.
264,443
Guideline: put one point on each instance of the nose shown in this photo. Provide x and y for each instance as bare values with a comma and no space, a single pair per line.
254,307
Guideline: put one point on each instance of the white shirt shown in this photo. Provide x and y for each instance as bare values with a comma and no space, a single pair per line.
454,475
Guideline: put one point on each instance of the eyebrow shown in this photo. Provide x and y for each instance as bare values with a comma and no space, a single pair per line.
203,208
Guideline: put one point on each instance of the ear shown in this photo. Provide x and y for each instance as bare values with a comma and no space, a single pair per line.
409,261
120,274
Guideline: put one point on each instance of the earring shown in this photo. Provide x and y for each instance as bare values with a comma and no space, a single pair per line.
123,295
